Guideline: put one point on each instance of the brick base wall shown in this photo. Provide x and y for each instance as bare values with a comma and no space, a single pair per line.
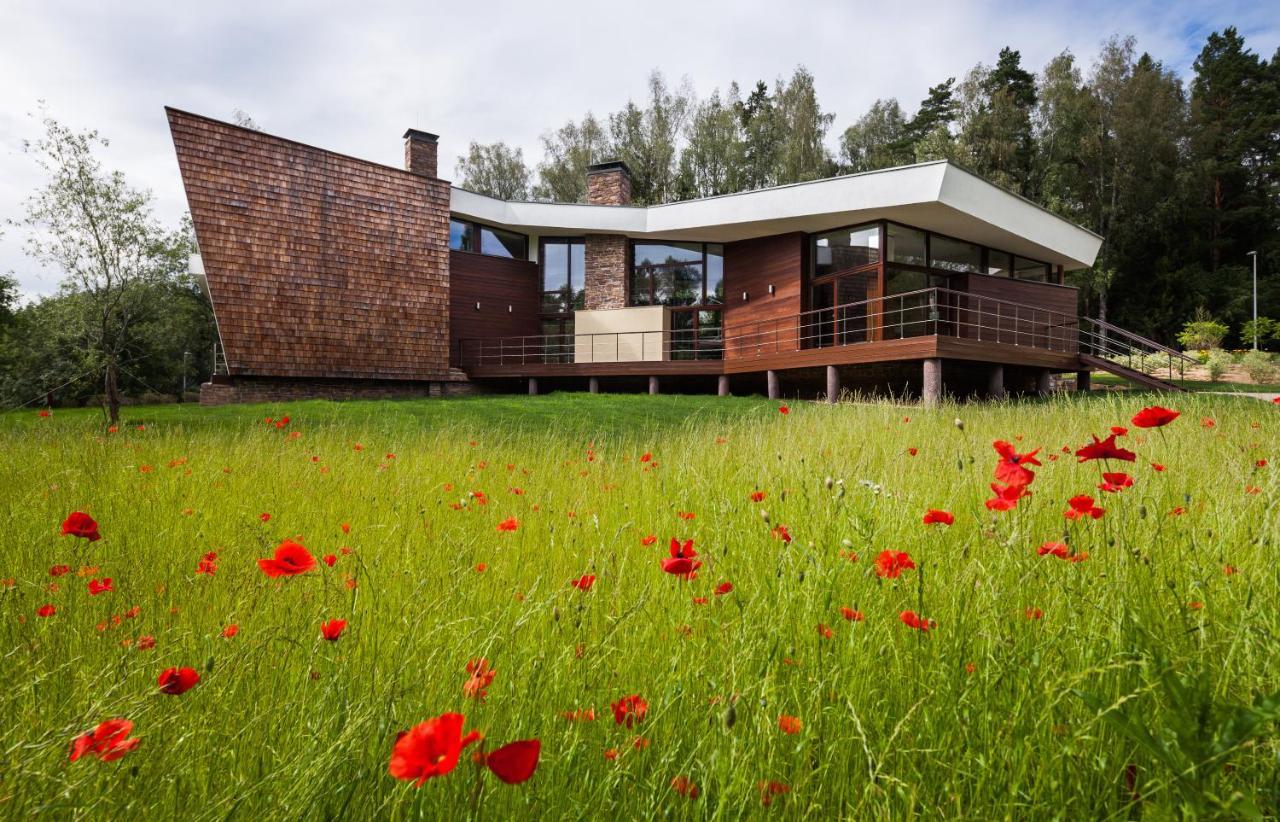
274,389
606,274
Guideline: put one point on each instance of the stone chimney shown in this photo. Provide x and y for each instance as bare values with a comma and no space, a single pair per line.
609,183
420,150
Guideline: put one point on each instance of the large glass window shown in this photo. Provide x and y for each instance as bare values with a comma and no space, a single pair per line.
1025,269
906,245
947,254
846,249
999,263
562,275
465,235
462,236
676,274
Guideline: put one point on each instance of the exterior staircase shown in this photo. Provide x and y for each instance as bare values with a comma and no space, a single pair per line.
1130,356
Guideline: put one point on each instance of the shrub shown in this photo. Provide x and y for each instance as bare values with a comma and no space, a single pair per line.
1268,332
1202,332
1218,363
1258,365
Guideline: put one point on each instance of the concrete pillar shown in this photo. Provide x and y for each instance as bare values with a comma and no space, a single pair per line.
653,385
932,393
833,383
1084,380
533,386
995,383
593,385
722,385
1044,383
774,390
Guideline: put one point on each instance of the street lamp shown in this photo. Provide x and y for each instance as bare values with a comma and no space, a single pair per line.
1254,255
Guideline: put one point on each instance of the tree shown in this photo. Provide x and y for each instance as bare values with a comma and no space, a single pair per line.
995,117
879,139
929,132
100,233
1062,120
711,163
495,169
562,175
760,142
802,129
647,140
241,118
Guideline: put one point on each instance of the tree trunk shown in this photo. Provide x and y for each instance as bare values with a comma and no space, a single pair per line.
1102,315
111,391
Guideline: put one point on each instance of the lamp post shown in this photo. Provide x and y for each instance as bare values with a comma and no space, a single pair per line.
1254,255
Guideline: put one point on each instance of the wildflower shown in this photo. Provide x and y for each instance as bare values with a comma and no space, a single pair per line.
686,515
208,564
611,754
780,532
768,790
1082,506
1006,496
264,517
480,677
290,560
346,527
46,610
515,762
629,710
1119,430
757,496
1033,613
783,410
1154,416
1104,450
646,457
684,786
177,681
681,562
481,567
649,540
935,516
508,524
108,742
1056,549
59,570
430,749
891,564
789,724
723,588
332,629
100,586
1155,466
913,620
851,614
146,643
1012,467
584,582
230,631
1207,423
330,559
824,631
1230,570
80,524
1113,482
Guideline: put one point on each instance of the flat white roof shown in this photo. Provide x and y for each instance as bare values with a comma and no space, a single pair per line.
938,196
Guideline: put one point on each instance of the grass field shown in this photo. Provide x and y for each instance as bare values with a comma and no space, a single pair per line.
1141,680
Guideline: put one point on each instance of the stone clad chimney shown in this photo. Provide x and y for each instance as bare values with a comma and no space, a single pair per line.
609,183
420,153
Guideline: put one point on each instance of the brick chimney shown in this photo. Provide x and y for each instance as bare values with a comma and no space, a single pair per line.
609,183
420,150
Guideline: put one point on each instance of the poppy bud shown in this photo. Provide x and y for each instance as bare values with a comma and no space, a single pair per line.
801,579
730,716
764,515
208,665
555,614
847,543
959,423
827,482
1142,512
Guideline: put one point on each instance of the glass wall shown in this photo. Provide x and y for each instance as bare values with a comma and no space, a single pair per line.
563,263
676,274
846,250
465,235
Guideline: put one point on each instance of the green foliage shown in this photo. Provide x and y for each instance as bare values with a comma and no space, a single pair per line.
497,170
1267,330
1259,365
1218,362
1202,333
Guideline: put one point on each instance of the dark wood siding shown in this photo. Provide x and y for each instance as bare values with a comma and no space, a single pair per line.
752,266
1045,314
495,283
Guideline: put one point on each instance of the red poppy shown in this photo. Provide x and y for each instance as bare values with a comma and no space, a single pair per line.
629,710
59,570
1012,467
768,790
481,676
686,515
912,451
515,762
80,524
230,631
1104,450
108,742
935,516
781,532
757,496
208,564
1119,430
681,562
1082,506
649,540
1260,464
264,517
333,629
290,560
1033,613
851,614
789,724
723,588
177,681
330,559
46,610
1275,400
913,620
784,410
100,586
430,749
584,582
1207,422
1113,482
891,564
684,786
45,413
1057,549
1155,466
1154,416
508,524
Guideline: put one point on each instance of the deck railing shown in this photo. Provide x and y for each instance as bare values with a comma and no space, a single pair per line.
1102,339
926,312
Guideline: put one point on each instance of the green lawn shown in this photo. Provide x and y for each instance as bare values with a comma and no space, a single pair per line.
1101,378
1123,684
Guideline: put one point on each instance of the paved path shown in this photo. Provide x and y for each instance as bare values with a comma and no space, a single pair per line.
1257,395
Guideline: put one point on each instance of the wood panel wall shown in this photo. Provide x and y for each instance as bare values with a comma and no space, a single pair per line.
751,266
319,264
1019,326
495,283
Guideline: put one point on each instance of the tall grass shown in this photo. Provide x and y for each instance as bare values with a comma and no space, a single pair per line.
991,714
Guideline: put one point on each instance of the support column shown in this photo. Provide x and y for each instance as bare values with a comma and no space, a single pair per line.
833,384
932,393
653,385
722,385
1084,380
1044,383
995,383
533,386
774,390
593,385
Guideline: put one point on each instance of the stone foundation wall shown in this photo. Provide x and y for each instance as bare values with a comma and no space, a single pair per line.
272,389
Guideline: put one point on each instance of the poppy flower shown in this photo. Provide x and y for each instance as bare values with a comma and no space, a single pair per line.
1119,430
891,564
430,748
1104,450
330,559
646,457
1113,482
108,742
913,620
935,516
723,588
649,540
783,410
177,681
100,586
1260,464
789,724
769,790
208,564
146,643
45,413
59,570
80,524
1275,400
1155,466
1207,422
333,629
1012,467
912,451
508,524
264,517
681,562
481,676
46,610
515,762
290,560
757,496
1154,416
1033,613
781,532
825,632
629,710
1082,506
851,614
1057,549
684,786
686,515
584,582
230,631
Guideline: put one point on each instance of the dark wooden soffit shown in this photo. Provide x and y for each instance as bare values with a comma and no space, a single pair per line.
319,264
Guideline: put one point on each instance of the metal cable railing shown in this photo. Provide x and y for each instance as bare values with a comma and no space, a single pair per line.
1133,351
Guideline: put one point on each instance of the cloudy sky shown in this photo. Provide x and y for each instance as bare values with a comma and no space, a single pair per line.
351,76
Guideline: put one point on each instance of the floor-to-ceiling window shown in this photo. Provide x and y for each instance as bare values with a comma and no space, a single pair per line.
688,278
844,273
562,263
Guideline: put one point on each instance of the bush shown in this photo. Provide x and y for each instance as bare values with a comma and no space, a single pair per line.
1218,363
1201,333
1268,332
1258,365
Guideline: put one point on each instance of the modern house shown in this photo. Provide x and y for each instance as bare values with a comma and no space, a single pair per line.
336,277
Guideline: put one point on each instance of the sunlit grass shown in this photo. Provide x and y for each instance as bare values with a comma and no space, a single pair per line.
991,714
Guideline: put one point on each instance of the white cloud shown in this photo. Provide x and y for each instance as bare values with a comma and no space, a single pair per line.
352,76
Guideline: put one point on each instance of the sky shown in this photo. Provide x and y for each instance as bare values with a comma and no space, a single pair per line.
352,76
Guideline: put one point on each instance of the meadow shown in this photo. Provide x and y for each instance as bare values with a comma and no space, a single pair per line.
510,559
